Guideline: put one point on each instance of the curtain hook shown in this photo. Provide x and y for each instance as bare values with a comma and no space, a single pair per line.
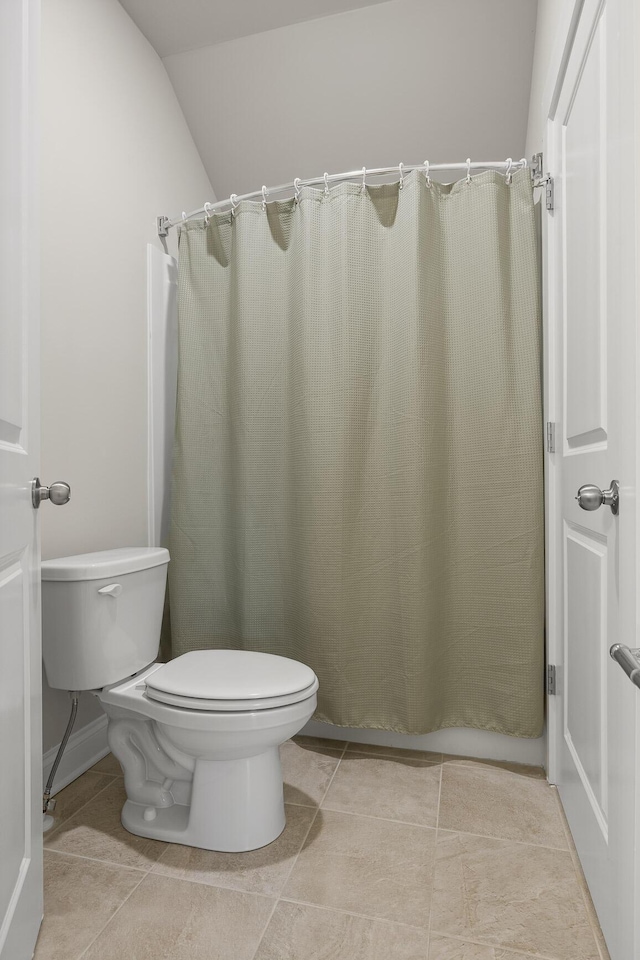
426,173
184,215
508,175
234,203
364,180
326,184
264,197
296,187
524,163
401,184
207,214
468,170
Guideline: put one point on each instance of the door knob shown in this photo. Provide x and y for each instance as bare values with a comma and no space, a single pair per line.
628,659
591,497
58,493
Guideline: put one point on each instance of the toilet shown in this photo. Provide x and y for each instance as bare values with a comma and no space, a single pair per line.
198,737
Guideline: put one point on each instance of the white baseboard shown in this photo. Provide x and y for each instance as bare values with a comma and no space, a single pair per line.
86,746
468,743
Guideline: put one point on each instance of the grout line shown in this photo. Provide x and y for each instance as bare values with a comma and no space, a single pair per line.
496,946
368,816
264,929
295,859
108,863
212,886
171,877
521,843
592,916
401,752
104,927
350,913
504,765
435,863
304,840
331,778
416,761
80,809
455,830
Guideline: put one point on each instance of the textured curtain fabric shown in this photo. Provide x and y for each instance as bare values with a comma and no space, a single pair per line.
358,460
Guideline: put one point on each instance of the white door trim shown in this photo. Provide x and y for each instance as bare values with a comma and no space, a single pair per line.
21,873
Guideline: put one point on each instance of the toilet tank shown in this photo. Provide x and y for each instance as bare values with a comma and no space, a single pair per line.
101,615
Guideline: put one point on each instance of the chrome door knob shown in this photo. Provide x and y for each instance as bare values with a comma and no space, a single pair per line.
58,493
591,497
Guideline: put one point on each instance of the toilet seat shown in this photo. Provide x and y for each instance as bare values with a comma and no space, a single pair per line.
231,680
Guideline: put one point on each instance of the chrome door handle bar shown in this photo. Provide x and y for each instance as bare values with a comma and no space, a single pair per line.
629,660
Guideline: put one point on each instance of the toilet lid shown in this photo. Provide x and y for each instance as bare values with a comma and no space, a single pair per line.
231,680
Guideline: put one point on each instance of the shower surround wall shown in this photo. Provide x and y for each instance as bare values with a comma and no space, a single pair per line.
116,152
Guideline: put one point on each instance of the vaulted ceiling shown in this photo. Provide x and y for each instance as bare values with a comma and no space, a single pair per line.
277,89
173,26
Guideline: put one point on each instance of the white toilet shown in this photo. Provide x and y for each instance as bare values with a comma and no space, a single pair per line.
197,737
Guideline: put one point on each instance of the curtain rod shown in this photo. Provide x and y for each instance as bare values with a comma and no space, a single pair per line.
509,166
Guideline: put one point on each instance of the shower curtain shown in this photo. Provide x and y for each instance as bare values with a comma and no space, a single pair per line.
358,456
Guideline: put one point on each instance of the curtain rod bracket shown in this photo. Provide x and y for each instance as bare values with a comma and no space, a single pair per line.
163,226
536,166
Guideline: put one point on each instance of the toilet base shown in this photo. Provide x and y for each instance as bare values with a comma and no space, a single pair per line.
236,805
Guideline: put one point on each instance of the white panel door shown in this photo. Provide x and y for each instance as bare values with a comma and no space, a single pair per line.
20,662
591,280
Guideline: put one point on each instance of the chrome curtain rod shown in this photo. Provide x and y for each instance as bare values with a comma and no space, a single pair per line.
509,166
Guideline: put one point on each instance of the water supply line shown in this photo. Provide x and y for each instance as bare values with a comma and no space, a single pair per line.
49,805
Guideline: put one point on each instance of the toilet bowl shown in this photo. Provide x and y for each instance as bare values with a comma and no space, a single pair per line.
198,737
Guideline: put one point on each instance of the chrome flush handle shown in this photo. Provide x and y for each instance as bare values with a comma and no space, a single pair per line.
590,497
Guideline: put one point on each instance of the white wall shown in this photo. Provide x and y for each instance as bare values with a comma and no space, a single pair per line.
116,152
398,81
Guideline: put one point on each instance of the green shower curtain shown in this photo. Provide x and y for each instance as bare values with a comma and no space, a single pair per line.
358,457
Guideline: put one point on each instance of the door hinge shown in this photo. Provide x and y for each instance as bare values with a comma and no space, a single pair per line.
549,193
551,436
551,679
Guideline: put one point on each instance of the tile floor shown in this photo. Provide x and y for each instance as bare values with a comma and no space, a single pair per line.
387,855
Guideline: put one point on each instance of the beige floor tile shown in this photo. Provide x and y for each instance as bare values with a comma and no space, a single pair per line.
300,932
79,898
81,791
392,787
168,919
257,871
508,894
96,832
322,742
442,948
108,764
591,910
379,751
499,803
524,769
307,771
372,867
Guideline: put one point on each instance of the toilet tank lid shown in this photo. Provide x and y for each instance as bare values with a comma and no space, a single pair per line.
104,563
